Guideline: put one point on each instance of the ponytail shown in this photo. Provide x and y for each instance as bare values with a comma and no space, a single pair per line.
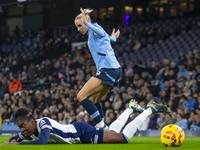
87,14
87,11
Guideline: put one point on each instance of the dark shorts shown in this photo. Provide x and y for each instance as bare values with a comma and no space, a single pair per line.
109,76
88,133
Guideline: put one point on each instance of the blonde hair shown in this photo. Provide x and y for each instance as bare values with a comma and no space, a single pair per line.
86,12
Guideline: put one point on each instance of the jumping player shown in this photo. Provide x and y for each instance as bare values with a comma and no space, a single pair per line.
108,68
46,130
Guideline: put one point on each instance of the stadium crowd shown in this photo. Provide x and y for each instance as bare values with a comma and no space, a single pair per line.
50,82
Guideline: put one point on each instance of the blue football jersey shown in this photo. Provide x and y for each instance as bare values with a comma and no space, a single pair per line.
100,47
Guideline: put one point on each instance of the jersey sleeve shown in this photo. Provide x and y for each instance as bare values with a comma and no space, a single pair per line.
112,39
96,30
45,123
19,137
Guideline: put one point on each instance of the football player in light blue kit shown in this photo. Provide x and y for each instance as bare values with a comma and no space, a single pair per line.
46,130
108,68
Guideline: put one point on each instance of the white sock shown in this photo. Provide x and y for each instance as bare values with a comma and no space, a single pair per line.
119,123
100,124
132,127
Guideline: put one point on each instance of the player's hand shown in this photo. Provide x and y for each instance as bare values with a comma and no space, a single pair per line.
83,15
116,34
14,141
10,143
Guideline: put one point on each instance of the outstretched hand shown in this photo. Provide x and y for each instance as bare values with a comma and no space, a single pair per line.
83,15
116,34
10,143
13,142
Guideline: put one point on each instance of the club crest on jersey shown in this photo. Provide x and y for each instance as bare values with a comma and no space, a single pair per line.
98,73
42,122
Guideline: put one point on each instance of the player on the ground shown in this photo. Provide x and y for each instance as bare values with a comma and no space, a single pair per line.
108,68
46,130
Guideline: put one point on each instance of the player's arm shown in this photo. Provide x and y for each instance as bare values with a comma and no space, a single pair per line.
114,35
96,30
15,138
18,138
43,139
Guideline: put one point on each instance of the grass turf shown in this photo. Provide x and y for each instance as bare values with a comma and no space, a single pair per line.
140,143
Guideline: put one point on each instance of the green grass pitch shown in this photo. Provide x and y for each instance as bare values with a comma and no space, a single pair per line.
137,143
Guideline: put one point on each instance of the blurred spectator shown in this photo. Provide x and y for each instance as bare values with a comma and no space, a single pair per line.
117,103
45,113
29,103
182,58
108,121
190,103
196,123
72,118
181,122
15,85
1,91
154,88
160,119
80,116
169,119
60,118
191,118
136,45
153,122
7,114
183,72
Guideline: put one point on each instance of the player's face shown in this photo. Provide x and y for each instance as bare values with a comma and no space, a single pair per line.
81,27
27,127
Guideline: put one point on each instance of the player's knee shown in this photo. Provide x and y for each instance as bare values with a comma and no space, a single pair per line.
80,97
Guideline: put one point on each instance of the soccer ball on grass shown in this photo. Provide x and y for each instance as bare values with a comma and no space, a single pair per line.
172,135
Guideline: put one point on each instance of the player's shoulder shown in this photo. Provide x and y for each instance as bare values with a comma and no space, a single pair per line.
97,25
45,121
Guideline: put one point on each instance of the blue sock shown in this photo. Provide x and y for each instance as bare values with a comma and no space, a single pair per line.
91,108
125,139
100,110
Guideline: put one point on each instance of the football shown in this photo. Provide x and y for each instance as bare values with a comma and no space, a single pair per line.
172,136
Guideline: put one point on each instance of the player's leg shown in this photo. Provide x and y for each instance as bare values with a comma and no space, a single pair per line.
119,123
96,98
109,78
112,137
100,83
132,127
92,87
90,134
